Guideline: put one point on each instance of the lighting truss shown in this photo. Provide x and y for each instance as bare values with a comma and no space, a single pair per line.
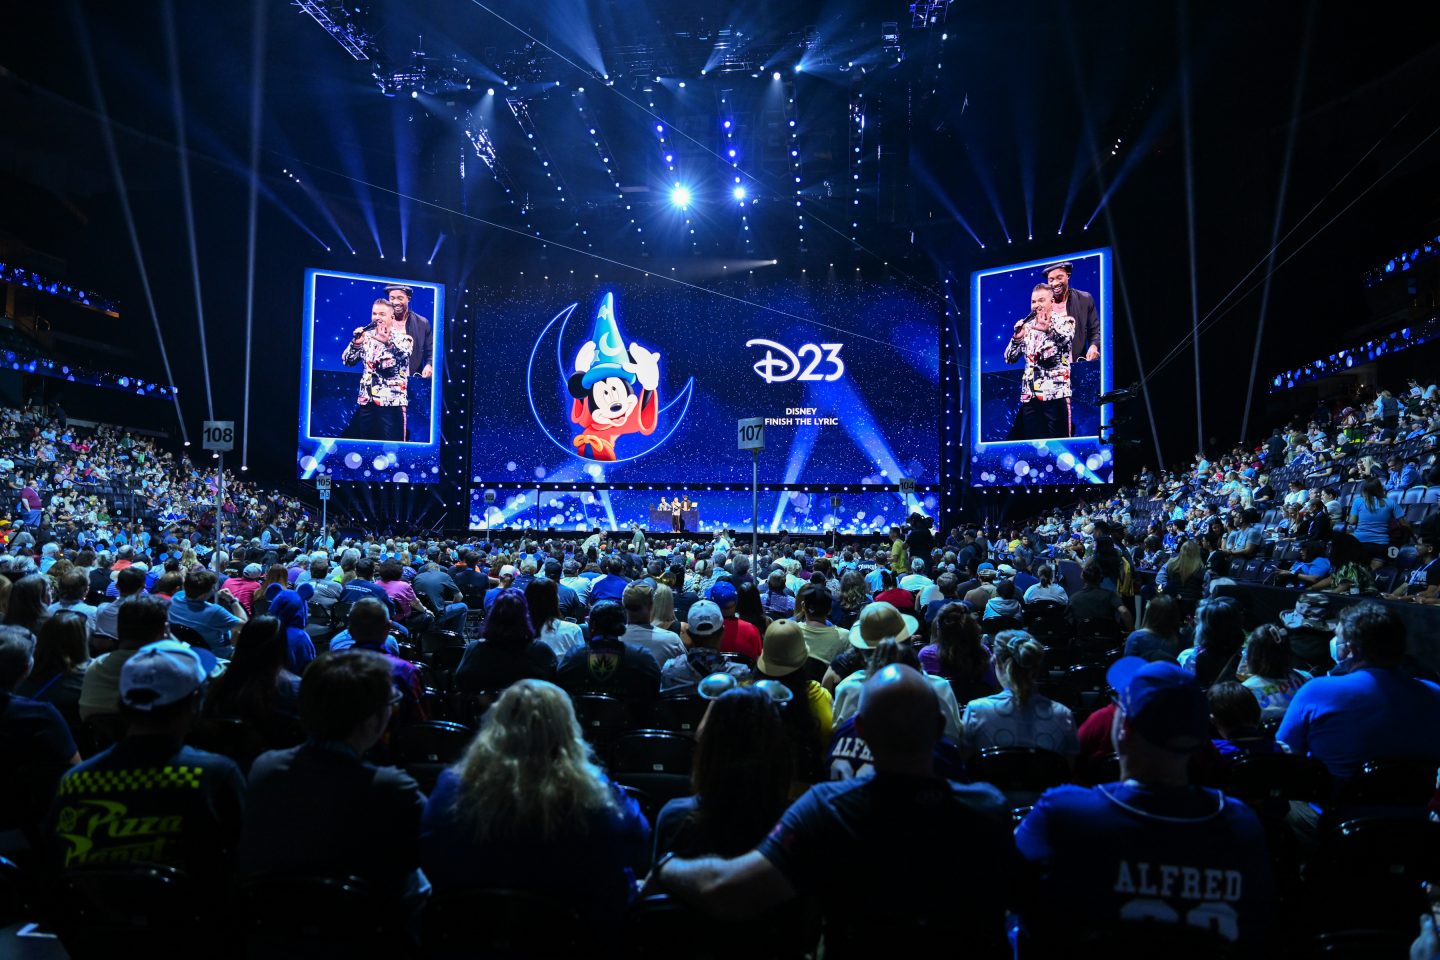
520,108
479,138
341,24
929,13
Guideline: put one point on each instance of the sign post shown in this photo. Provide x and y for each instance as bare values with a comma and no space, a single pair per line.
322,485
489,504
218,436
907,487
835,530
752,438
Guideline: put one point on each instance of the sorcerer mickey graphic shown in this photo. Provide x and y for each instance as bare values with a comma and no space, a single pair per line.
614,388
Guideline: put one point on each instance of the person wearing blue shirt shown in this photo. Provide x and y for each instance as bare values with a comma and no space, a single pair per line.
1374,710
1151,847
213,618
1370,518
1403,475
610,586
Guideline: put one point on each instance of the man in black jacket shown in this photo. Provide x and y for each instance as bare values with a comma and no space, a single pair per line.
1080,307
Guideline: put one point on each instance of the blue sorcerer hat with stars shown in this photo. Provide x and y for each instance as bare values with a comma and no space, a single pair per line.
610,350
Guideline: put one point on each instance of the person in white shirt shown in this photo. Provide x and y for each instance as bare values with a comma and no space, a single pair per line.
574,581
916,579
663,645
1047,588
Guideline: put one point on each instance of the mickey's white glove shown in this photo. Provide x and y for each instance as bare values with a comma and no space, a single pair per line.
645,365
585,357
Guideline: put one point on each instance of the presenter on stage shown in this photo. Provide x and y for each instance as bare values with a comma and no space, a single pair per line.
422,358
385,350
677,522
1074,310
1045,386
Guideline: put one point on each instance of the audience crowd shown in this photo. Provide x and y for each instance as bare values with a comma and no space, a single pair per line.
1066,734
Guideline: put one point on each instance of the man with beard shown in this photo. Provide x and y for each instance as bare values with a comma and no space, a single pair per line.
418,327
1078,308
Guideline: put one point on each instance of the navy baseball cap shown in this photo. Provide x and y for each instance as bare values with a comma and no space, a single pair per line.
722,593
1162,702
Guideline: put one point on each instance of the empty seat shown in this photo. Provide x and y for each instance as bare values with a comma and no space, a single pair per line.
681,714
1414,495
142,910
1020,769
318,917
1432,495
500,923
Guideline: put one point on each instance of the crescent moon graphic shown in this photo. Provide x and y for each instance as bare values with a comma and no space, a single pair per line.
682,399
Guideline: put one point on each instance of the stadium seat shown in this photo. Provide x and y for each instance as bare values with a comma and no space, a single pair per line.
603,719
474,622
681,714
433,741
991,626
1393,496
1368,873
239,740
1097,635
189,635
1432,494
1020,771
104,730
1047,620
1417,512
653,751
1260,778
323,917
141,910
657,924
1414,495
446,659
1406,782
469,707
501,924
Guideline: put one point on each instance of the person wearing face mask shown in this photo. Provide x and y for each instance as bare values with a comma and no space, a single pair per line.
1045,391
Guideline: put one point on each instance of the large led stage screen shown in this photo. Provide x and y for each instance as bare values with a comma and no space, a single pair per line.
643,382
1039,364
369,390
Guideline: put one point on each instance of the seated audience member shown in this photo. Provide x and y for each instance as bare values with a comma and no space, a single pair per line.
854,595
346,701
609,665
809,720
362,585
1003,605
1183,576
130,584
1235,715
812,613
1312,567
943,595
1350,569
257,686
891,593
74,588
1019,716
682,674
185,804
369,629
749,607
31,732
212,616
779,603
408,610
958,653
439,597
1047,588
898,822
741,636
1219,641
1267,669
527,808
141,620
29,602
641,633
61,659
848,692
543,599
741,780
244,587
1094,601
876,622
507,650
1180,851
287,607
1375,710
1421,584
610,585
324,592
1159,633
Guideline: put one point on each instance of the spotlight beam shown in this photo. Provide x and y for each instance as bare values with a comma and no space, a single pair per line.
113,155
178,106
1300,73
257,90
1190,215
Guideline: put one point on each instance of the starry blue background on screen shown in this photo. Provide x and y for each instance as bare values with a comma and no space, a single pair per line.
336,304
1005,298
885,402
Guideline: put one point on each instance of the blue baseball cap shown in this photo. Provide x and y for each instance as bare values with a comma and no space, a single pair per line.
987,565
722,593
1162,702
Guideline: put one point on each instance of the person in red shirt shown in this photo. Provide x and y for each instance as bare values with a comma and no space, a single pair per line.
244,587
740,637
890,592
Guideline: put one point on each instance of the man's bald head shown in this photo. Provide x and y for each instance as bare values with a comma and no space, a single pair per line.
899,716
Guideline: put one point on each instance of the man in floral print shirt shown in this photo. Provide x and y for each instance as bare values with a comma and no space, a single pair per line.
1044,342
384,348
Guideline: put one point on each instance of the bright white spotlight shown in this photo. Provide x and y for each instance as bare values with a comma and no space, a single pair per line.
414,94
489,91
799,67
680,196
775,75
738,193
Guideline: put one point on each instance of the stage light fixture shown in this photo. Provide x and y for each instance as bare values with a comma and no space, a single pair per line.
680,196
738,193
775,75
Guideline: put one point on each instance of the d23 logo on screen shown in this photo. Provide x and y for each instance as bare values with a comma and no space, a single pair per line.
813,361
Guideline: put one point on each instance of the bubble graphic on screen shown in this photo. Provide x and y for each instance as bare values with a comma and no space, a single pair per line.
860,515
380,462
308,463
539,473
558,520
1021,468
1093,461
800,501
401,477
510,466
352,460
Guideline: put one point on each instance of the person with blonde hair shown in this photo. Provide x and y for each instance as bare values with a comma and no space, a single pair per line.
527,808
